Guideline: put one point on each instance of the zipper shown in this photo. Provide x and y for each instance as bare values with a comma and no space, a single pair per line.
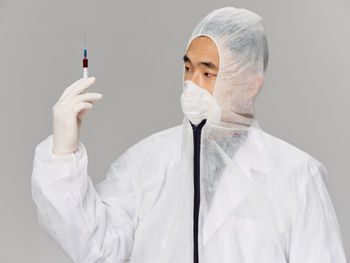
196,182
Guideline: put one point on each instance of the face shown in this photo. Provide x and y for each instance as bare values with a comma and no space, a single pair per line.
202,63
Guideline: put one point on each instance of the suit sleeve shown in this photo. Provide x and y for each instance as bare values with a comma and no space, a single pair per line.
316,236
90,224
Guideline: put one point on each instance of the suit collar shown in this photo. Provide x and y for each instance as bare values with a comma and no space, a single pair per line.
236,184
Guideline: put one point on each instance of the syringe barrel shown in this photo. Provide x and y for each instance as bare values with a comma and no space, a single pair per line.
85,73
85,62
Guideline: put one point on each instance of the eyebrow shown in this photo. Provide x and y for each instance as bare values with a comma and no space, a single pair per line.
208,64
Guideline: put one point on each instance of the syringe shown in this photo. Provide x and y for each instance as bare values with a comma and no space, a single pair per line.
85,61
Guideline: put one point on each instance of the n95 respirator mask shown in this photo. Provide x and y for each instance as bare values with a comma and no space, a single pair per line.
198,104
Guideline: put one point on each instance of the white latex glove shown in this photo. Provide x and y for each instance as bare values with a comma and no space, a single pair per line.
68,113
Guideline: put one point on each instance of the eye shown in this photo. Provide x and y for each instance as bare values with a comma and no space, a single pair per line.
187,68
209,74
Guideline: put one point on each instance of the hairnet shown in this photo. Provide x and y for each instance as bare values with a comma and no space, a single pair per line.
243,50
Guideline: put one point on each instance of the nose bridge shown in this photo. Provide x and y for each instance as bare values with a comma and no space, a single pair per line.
196,77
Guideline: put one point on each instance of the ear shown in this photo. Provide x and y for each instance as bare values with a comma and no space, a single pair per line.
260,79
258,82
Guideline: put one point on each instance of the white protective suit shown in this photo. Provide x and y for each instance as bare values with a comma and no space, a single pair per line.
261,198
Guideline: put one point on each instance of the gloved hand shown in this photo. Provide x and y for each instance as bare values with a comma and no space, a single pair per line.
68,113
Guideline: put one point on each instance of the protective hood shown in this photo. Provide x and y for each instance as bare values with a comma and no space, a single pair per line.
243,54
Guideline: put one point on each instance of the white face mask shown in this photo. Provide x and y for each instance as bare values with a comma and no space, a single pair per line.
198,104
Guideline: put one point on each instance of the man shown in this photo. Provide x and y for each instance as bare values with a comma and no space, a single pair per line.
216,188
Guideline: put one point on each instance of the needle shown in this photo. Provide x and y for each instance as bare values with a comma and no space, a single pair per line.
85,60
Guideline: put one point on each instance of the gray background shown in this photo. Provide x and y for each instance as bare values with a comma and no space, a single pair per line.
135,52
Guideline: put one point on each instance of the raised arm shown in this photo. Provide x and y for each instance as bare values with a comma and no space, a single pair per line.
90,224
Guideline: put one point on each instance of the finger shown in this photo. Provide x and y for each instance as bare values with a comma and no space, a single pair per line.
77,108
79,87
88,97
83,112
69,88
